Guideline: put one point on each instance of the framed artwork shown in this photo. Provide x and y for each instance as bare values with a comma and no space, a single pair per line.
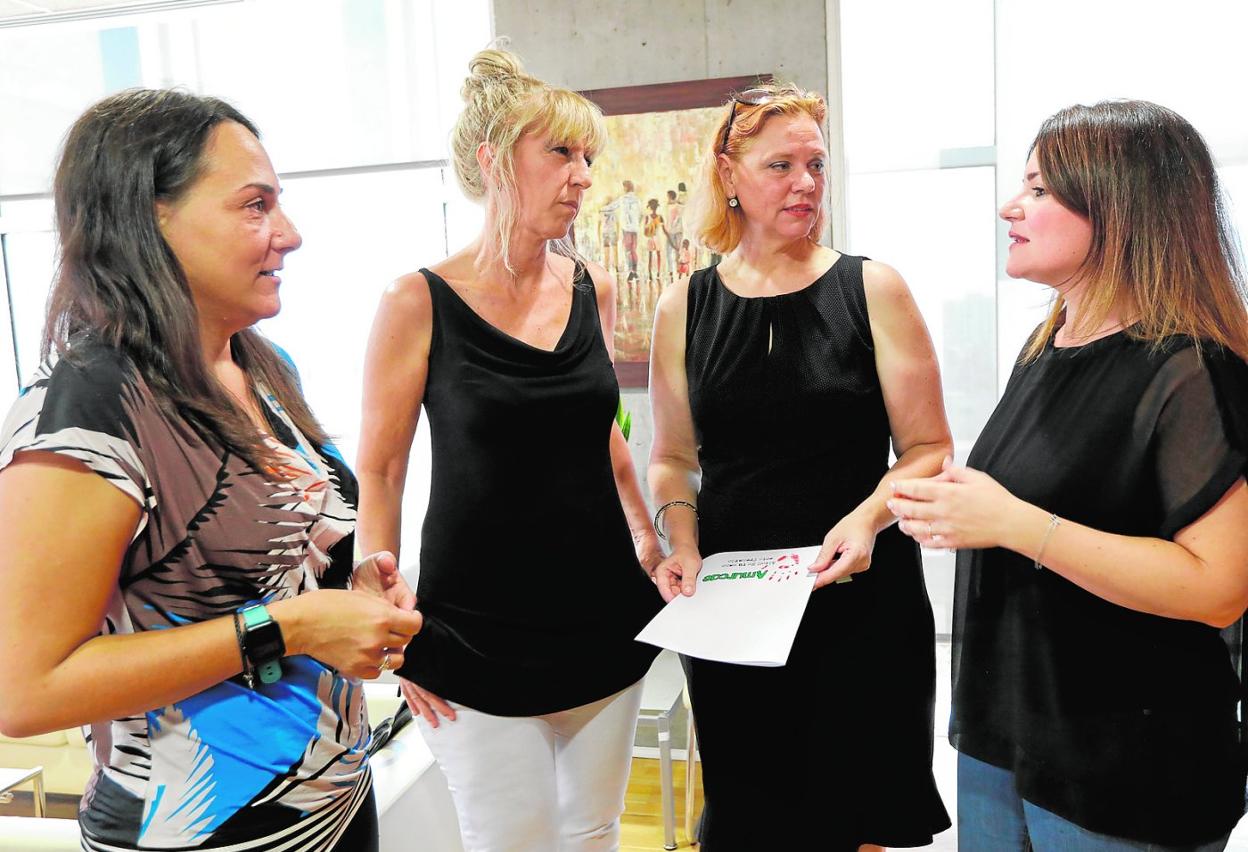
632,217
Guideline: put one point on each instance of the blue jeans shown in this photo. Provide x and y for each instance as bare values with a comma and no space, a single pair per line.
992,817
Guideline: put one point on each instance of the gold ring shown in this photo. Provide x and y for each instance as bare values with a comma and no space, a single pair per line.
385,664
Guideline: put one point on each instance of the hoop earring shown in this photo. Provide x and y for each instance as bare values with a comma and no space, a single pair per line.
732,201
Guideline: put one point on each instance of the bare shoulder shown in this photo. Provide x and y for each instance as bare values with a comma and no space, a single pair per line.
883,284
406,301
604,281
674,300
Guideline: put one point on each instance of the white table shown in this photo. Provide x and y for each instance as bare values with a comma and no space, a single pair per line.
10,778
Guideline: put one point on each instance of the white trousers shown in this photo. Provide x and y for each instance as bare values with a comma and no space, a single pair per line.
552,783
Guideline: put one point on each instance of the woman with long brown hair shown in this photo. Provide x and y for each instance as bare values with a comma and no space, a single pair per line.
173,519
1100,520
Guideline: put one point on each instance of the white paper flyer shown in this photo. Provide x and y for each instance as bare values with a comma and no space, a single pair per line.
745,609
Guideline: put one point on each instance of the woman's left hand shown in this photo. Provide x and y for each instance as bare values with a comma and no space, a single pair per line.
649,551
958,508
378,574
846,551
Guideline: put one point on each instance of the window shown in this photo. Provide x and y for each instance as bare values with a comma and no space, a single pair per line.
920,186
355,100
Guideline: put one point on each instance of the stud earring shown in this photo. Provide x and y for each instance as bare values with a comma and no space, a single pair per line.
732,202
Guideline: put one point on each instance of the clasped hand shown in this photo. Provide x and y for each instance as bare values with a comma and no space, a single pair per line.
364,631
360,632
958,508
378,574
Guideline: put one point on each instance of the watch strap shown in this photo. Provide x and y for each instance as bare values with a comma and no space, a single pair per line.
255,617
270,672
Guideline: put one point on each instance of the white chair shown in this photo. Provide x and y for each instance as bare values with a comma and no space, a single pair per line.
691,751
663,693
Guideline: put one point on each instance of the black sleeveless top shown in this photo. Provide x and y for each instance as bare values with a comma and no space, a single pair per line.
529,582
1122,722
793,434
787,407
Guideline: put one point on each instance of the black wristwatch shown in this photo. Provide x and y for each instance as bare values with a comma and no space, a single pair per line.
262,643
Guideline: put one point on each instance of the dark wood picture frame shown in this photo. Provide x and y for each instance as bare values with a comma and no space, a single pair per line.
658,98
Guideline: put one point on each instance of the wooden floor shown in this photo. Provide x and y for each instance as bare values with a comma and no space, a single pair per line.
641,829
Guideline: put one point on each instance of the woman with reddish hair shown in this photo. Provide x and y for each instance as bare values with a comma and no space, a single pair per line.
779,379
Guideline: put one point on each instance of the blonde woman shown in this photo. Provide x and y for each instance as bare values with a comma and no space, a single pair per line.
779,378
530,582
1100,521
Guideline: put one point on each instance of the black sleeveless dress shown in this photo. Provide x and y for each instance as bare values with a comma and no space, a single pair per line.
529,583
834,749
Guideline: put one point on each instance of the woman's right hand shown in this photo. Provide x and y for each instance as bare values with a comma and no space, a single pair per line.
351,632
424,703
678,574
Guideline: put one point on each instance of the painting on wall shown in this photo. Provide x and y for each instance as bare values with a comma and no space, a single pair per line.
632,217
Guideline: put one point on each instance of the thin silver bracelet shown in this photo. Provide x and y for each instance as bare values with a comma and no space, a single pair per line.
658,516
1054,523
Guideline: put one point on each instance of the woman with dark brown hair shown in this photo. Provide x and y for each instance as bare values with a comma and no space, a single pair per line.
176,534
1101,517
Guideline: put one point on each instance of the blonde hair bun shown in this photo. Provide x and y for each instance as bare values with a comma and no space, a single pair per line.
489,68
501,102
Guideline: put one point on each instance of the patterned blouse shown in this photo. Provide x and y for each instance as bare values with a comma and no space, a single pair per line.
281,766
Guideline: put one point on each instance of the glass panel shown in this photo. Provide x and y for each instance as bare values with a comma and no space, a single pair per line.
949,261
1188,60
1021,306
30,259
360,81
464,218
1118,55
356,82
910,91
9,381
1234,181
48,76
360,232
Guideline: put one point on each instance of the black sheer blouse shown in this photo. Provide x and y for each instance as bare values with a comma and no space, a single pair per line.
1121,722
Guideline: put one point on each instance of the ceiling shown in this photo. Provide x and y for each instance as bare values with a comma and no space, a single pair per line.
20,12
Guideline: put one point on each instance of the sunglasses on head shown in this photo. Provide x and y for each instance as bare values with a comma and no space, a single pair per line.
750,97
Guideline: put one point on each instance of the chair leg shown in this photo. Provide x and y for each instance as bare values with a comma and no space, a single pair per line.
691,750
665,781
41,800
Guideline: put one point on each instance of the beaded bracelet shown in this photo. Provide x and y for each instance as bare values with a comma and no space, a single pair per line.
658,516
248,675
1054,523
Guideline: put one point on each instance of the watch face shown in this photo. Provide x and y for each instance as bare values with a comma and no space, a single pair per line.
263,642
